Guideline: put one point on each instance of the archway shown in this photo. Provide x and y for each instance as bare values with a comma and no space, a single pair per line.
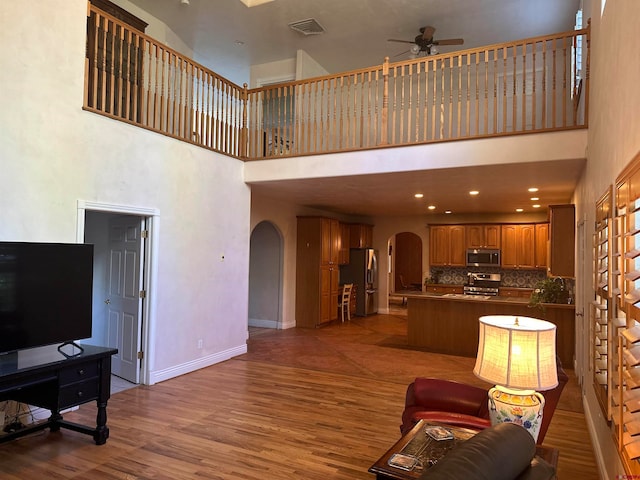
265,276
407,261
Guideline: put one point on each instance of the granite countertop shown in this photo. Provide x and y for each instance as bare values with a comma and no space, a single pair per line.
457,297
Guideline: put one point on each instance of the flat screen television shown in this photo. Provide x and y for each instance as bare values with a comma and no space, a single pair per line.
45,294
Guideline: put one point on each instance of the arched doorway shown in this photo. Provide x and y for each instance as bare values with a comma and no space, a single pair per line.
407,261
265,276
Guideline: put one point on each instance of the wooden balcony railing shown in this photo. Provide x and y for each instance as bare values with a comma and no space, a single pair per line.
527,86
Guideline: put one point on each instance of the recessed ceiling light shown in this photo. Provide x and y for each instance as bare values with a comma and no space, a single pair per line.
419,195
239,43
474,192
534,199
447,211
431,207
536,206
519,210
533,189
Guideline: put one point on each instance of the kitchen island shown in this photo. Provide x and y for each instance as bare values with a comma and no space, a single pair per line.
449,323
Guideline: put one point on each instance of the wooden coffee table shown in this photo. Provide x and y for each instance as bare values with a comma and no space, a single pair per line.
416,443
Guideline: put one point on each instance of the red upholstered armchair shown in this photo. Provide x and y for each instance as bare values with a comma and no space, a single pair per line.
455,403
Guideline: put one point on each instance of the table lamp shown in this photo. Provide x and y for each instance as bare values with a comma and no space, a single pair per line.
518,354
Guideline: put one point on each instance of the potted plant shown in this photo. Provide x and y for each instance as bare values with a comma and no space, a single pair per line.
549,290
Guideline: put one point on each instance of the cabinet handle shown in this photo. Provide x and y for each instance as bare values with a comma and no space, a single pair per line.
80,394
81,371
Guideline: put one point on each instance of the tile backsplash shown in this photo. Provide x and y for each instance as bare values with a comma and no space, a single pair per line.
509,278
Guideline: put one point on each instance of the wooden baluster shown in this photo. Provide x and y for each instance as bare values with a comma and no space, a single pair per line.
393,102
344,131
450,113
534,94
477,104
544,85
338,91
317,112
110,57
486,91
418,81
384,114
514,102
553,84
524,87
425,106
310,118
504,89
435,101
468,113
354,117
565,97
442,93
334,134
369,141
587,74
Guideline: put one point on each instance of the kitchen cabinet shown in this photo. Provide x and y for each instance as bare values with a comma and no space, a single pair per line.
518,246
562,235
447,245
317,271
443,289
542,244
515,292
360,235
483,236
343,255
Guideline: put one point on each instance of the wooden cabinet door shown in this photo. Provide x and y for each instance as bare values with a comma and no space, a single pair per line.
326,305
542,244
562,237
509,256
475,236
492,237
438,245
343,257
482,236
334,239
457,250
527,246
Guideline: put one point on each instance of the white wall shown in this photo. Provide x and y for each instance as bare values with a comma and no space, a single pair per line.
53,154
614,123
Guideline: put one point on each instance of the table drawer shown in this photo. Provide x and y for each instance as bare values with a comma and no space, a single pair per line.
78,373
78,393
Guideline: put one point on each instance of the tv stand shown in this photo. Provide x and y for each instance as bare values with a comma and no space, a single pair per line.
50,379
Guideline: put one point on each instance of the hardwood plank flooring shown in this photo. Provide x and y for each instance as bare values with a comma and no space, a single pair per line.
302,403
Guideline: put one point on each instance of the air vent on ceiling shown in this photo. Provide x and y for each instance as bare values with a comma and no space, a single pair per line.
307,27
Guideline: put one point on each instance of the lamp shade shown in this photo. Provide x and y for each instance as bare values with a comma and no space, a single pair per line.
517,352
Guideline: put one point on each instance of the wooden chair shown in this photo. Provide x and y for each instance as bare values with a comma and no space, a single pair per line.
345,299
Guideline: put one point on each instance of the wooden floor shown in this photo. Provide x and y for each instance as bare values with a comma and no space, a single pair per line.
302,403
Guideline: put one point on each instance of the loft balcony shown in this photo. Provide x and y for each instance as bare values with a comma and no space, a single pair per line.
529,86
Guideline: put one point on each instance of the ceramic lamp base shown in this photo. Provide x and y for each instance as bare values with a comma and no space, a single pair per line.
522,407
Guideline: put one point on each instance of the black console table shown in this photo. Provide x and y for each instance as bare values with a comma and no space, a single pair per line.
56,380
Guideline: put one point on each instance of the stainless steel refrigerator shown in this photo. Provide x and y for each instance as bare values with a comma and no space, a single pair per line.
362,271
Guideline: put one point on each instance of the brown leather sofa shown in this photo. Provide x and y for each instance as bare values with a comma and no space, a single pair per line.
503,452
455,403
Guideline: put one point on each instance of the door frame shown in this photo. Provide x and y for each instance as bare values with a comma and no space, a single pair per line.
148,274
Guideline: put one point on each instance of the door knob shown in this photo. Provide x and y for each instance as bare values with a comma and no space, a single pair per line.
107,301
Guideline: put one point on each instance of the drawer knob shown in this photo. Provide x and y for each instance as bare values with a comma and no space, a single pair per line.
80,394
81,371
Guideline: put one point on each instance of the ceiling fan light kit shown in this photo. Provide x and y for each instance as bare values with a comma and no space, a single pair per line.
426,43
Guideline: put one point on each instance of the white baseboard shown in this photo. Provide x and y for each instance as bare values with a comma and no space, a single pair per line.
597,447
193,365
262,323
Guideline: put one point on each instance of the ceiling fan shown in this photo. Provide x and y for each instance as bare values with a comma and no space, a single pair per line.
426,43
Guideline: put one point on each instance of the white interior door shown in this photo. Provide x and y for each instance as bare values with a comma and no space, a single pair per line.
124,303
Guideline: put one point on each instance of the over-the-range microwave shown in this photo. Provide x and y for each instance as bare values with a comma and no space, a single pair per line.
483,257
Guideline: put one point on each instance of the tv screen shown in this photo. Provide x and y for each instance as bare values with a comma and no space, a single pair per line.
45,293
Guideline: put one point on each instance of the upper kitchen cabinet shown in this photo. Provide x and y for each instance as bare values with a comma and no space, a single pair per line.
542,244
483,236
562,235
317,271
345,235
360,235
518,246
447,245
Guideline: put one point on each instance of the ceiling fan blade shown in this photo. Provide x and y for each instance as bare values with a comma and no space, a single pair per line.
427,32
449,41
400,41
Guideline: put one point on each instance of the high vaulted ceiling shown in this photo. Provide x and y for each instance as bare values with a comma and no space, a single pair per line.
229,37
